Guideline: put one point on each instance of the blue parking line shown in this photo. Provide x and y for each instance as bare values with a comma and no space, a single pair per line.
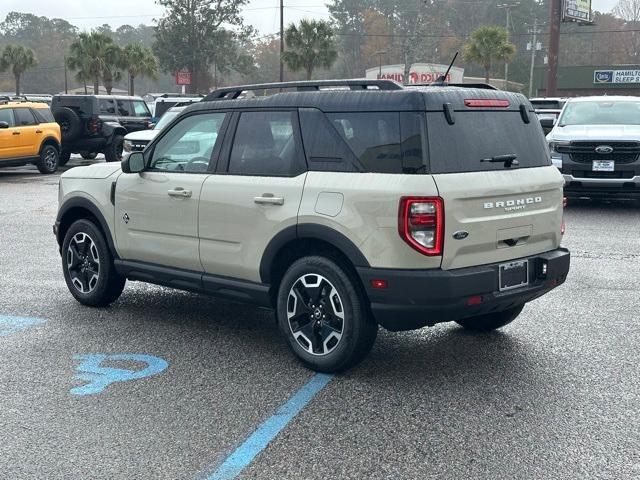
258,440
9,324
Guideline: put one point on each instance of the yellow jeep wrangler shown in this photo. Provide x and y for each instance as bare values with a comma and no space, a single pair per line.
29,134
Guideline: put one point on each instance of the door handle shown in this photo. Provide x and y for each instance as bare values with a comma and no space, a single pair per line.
180,193
268,199
16,133
38,131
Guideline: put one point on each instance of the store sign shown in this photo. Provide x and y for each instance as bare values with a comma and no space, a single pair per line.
418,73
183,77
616,76
576,10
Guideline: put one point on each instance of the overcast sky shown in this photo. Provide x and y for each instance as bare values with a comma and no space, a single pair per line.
262,14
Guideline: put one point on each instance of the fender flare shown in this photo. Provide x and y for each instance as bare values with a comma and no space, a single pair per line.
50,139
85,204
312,232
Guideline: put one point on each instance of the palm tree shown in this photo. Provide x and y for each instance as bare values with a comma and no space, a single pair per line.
94,56
110,68
489,43
309,46
138,61
19,59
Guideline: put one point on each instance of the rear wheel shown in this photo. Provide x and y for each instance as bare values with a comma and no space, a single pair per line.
88,267
113,150
491,321
89,155
323,315
49,158
64,158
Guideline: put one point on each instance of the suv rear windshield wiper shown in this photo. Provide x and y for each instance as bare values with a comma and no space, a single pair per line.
508,159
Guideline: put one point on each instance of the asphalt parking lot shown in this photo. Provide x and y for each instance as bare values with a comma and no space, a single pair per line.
556,394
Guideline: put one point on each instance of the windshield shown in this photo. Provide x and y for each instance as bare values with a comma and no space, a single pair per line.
166,119
601,112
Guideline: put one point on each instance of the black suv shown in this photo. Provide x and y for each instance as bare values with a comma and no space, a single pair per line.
92,124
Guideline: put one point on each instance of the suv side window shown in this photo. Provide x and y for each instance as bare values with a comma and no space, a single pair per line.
189,145
374,138
265,145
43,115
140,109
106,106
125,109
24,117
6,115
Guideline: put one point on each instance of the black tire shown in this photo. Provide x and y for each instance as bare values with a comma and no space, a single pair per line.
490,321
49,159
92,283
356,327
70,123
89,155
64,158
113,150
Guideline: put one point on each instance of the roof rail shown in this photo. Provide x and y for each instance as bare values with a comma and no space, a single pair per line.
230,93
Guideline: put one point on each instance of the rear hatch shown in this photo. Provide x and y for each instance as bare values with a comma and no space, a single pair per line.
489,159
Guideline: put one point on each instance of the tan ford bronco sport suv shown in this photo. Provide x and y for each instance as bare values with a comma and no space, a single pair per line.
343,205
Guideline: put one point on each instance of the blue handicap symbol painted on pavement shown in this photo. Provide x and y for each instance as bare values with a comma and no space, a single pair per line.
99,377
9,325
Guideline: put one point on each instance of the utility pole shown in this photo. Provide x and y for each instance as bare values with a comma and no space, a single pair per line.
554,48
534,46
281,39
507,7
66,85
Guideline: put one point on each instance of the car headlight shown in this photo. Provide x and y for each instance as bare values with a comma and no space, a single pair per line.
127,146
556,156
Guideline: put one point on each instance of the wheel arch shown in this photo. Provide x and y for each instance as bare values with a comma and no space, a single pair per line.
50,140
308,239
81,208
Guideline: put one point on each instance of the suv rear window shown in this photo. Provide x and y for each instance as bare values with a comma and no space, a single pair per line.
24,117
484,134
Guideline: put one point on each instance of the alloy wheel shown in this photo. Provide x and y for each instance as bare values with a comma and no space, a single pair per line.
315,314
50,159
83,262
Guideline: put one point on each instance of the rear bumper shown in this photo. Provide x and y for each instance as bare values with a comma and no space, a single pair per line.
416,298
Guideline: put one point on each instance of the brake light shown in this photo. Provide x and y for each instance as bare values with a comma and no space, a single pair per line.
421,224
482,102
95,125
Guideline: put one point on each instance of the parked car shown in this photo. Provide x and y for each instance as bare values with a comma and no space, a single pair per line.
137,141
548,110
341,210
596,145
92,124
29,134
161,102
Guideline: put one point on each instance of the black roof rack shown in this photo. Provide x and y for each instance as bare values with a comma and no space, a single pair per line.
230,93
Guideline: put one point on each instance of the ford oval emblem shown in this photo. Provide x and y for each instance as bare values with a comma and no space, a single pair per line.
604,149
460,234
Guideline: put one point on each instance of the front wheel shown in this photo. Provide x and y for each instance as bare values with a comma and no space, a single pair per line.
491,321
113,150
64,158
48,161
88,155
88,266
323,315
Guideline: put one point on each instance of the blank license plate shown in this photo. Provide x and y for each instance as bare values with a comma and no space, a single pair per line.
603,165
513,275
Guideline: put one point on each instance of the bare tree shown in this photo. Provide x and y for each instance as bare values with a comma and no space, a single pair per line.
628,10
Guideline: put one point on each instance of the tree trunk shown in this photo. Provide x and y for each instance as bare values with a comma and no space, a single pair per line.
85,86
309,72
17,75
131,85
487,74
96,85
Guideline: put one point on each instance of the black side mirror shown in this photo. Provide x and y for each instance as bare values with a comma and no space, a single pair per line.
134,163
547,122
4,125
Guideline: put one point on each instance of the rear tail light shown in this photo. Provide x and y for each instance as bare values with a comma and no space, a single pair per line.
485,103
94,125
421,224
563,227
